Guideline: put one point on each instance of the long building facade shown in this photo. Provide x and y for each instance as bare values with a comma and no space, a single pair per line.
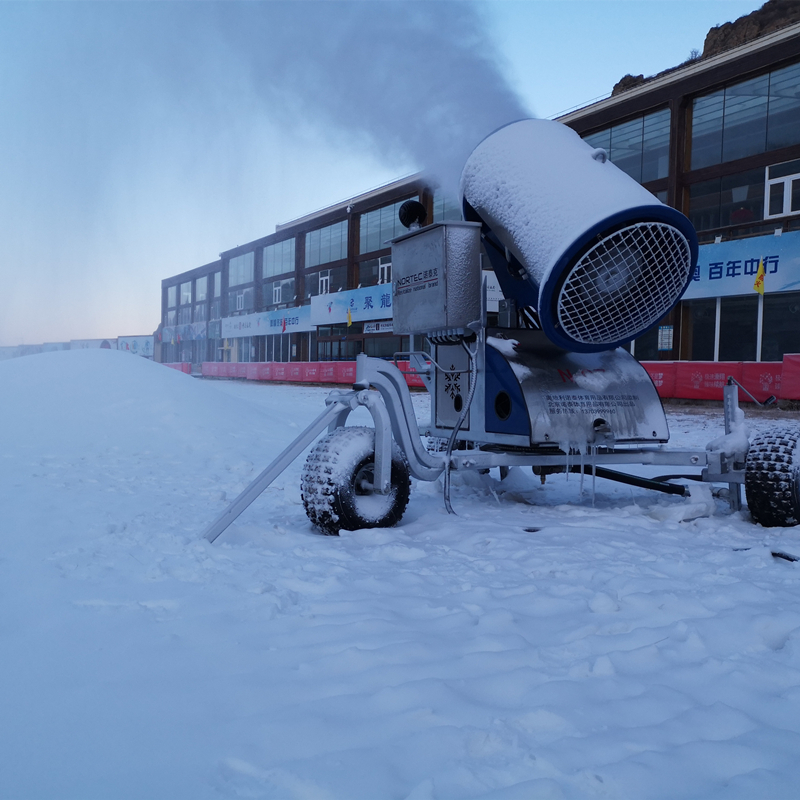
717,138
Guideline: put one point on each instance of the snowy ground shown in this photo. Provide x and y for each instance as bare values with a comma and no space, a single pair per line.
531,647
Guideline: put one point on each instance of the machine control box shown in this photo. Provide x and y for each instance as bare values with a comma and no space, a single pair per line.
436,273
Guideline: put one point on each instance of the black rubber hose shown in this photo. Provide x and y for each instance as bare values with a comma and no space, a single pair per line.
630,480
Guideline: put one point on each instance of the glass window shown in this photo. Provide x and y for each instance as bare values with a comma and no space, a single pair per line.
646,346
201,289
781,331
445,208
382,346
744,131
279,292
655,146
783,117
375,271
217,284
170,317
326,280
199,314
279,258
600,139
697,342
240,269
746,118
326,244
783,189
184,315
732,200
626,147
738,324
707,116
704,204
186,293
639,147
379,226
172,296
241,301
742,198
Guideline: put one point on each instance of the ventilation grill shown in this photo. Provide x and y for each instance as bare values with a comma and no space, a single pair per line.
624,284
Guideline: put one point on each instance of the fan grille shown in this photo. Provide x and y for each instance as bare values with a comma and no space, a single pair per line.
624,283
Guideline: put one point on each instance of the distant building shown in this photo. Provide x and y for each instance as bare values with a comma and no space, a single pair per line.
287,296
717,138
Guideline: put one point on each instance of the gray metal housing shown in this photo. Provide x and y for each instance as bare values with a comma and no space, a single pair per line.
436,274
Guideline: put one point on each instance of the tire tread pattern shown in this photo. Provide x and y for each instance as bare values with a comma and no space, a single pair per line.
771,477
325,485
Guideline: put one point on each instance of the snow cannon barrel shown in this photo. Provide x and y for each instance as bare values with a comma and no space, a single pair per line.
571,235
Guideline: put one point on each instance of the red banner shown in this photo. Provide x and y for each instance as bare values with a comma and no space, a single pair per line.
704,380
790,377
345,372
761,379
662,373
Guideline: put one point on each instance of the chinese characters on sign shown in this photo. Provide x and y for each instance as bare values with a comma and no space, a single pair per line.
589,403
718,270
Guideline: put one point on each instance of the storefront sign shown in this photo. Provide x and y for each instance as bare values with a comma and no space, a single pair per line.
729,268
369,303
138,345
378,327
268,323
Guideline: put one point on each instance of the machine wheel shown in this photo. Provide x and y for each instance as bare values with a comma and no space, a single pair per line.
336,485
772,477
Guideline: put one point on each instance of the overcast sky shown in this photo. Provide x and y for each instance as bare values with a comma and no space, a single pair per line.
140,139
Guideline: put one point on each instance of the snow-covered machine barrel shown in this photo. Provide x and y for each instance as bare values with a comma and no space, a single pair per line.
586,260
570,235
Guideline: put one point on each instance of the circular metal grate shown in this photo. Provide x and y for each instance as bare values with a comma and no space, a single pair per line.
624,283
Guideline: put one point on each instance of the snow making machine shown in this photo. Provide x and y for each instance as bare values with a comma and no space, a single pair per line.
587,260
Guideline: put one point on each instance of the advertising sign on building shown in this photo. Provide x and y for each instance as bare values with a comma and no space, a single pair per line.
267,323
369,303
138,345
729,268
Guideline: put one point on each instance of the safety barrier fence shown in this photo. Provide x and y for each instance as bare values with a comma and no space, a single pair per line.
686,380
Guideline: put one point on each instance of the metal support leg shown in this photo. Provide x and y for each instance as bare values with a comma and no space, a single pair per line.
730,406
333,411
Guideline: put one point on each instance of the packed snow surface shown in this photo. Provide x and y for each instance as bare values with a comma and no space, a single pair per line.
534,646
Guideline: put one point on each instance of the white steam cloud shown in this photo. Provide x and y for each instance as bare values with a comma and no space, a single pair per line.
140,139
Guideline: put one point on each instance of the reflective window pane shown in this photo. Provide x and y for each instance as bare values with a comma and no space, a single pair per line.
326,244
381,225
742,198
279,258
186,293
781,332
445,208
172,296
626,147
707,130
655,146
776,199
600,139
745,119
737,328
783,119
697,342
704,204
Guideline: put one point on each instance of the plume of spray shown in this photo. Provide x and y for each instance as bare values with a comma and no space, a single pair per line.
143,138
412,81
